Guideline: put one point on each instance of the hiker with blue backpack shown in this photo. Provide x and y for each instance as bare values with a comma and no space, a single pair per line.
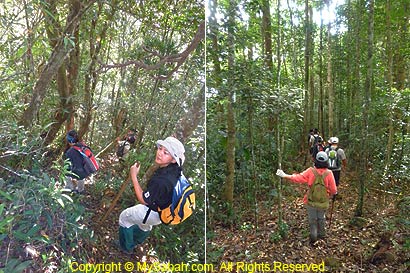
322,187
337,158
81,160
136,222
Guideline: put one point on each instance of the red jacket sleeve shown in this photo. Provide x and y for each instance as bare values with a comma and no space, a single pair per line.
306,176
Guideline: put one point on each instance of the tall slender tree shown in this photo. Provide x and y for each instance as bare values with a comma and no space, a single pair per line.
307,72
329,82
230,94
366,103
389,80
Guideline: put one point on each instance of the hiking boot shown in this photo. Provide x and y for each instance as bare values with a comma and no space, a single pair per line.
128,252
313,243
117,245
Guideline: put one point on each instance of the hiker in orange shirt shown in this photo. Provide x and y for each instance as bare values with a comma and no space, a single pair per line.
321,187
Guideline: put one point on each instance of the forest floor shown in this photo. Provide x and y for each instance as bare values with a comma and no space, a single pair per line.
347,248
105,247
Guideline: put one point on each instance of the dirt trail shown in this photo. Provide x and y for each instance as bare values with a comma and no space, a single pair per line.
346,249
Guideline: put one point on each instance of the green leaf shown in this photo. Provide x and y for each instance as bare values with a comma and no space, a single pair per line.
68,197
6,195
33,230
1,208
11,264
60,201
19,268
20,235
49,220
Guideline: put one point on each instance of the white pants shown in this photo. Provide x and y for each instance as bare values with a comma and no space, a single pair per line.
135,216
70,185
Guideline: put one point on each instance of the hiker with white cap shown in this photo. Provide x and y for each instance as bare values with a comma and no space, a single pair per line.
322,186
136,222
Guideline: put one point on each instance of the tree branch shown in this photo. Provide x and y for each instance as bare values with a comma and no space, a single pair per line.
177,59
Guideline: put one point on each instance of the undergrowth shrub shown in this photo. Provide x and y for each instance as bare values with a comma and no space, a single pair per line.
41,226
37,218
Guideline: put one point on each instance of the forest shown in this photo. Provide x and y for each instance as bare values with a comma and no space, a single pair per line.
240,83
100,68
275,70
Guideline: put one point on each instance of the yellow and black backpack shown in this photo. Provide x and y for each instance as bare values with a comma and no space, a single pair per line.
182,205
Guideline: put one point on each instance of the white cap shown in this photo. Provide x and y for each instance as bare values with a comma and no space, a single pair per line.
334,140
322,157
175,147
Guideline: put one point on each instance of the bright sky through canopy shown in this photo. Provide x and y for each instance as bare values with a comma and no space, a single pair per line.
329,15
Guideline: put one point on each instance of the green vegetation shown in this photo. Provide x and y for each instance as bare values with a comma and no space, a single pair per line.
101,68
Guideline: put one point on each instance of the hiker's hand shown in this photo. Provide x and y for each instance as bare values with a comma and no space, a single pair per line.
280,173
135,169
334,197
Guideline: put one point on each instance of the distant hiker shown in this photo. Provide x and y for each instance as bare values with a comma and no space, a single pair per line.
82,162
337,158
124,145
136,222
309,136
313,139
321,187
318,147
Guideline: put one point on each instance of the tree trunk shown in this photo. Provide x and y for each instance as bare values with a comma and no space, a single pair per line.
213,35
191,120
267,46
91,77
349,68
66,78
311,89
279,129
331,94
389,79
367,95
58,56
29,60
306,120
320,102
267,33
293,43
230,119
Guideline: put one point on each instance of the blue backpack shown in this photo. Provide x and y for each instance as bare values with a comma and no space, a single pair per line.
182,205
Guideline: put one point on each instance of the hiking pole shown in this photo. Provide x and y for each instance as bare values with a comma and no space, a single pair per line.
116,198
103,150
331,211
108,146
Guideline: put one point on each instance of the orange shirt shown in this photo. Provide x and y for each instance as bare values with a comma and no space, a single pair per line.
308,177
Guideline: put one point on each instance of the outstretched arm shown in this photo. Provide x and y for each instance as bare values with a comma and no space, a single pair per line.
303,177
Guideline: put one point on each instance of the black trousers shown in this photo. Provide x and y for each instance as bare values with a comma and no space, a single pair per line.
336,174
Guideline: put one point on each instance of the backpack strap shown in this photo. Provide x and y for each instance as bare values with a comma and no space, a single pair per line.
316,173
79,149
146,215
